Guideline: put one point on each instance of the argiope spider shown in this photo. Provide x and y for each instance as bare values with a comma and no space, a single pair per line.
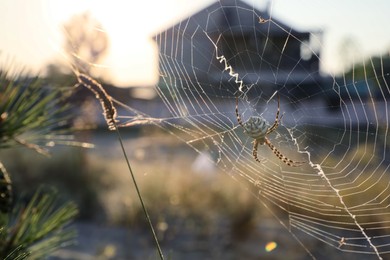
257,128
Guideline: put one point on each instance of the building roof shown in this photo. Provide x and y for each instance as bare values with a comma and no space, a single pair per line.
232,16
256,50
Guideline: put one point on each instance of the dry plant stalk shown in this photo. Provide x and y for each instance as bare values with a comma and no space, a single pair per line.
109,111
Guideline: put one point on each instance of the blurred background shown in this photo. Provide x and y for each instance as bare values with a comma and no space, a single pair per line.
198,212
351,31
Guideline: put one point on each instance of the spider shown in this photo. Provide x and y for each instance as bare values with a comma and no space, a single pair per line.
257,128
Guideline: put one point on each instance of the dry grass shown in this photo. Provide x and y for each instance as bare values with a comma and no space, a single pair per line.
175,195
191,212
99,182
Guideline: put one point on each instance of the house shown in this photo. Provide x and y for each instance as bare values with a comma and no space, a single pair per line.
266,54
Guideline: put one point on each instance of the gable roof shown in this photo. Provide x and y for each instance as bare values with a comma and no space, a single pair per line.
232,16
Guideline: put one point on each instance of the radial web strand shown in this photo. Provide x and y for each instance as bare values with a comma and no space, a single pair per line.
338,125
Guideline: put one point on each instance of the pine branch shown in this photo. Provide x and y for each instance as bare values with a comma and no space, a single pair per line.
40,226
32,114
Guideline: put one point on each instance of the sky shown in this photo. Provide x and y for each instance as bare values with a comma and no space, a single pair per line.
31,31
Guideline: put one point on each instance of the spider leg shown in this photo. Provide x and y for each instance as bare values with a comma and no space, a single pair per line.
238,114
277,119
281,157
254,151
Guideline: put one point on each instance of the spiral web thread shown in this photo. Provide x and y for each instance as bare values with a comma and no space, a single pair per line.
339,126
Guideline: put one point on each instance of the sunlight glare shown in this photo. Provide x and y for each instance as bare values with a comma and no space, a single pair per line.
132,56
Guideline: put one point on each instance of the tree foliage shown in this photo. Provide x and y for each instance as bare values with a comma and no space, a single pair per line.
85,41
32,115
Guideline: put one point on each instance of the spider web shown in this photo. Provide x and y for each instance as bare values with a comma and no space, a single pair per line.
338,126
